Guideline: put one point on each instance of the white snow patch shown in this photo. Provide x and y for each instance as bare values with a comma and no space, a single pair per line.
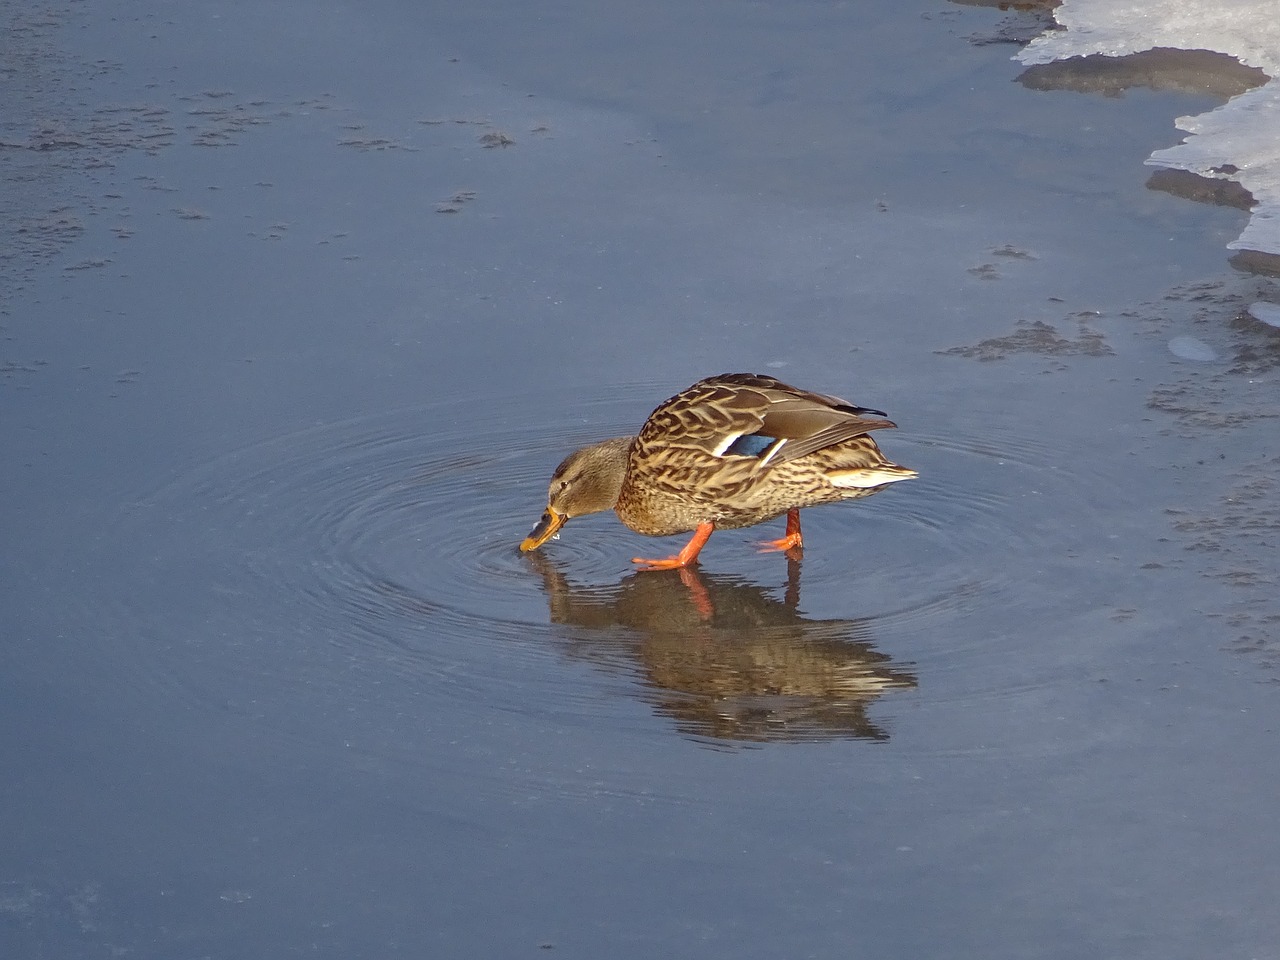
1248,30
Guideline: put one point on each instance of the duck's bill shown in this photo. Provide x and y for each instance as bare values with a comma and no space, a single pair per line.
547,528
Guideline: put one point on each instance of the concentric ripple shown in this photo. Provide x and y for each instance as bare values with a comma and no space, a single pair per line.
377,557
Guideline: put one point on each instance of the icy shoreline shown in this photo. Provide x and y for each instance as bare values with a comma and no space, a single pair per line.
1238,141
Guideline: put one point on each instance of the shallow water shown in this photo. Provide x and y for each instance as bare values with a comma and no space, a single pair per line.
290,352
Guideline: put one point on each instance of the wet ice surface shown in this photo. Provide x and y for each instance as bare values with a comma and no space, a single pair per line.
302,307
1189,348
1268,313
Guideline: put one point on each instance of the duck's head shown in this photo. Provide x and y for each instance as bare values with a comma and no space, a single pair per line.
587,481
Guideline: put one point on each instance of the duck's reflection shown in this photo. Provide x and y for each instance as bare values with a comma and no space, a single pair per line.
724,657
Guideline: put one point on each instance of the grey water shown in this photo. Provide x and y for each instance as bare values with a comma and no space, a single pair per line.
300,304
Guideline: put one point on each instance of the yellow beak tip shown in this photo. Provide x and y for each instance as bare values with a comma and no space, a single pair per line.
547,528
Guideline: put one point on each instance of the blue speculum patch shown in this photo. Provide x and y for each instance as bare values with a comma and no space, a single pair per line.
751,445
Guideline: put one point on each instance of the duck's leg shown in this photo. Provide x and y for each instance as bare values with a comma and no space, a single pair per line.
698,593
686,556
792,541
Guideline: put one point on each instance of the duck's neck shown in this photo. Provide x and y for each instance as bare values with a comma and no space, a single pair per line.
606,465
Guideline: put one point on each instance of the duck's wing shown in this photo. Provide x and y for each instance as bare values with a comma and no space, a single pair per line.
757,417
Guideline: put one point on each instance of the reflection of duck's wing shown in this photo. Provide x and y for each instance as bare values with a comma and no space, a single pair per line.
725,658
809,680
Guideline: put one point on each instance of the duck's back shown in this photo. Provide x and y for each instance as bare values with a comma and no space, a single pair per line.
738,449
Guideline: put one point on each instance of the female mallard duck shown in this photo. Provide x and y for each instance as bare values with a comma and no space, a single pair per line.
730,451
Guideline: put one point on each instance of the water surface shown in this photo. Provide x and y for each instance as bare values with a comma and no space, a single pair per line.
301,306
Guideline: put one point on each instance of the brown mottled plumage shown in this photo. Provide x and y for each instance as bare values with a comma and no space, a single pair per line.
730,451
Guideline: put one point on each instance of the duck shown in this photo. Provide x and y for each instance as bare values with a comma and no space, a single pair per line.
730,451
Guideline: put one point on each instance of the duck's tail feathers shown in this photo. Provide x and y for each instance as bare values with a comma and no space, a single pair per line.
877,476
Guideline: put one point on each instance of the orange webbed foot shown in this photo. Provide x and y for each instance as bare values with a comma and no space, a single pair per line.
665,563
791,542
685,557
